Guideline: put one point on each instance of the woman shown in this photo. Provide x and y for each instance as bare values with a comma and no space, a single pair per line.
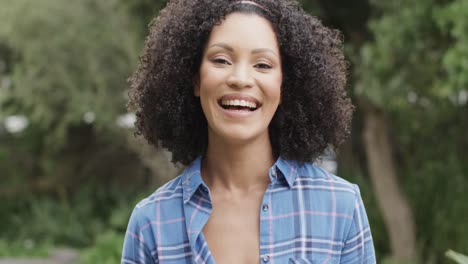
247,94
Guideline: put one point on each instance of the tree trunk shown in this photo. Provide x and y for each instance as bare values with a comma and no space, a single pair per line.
393,204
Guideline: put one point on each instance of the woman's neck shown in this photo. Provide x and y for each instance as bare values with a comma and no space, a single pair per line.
238,167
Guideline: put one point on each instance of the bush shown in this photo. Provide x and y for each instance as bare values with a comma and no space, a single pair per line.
89,220
107,249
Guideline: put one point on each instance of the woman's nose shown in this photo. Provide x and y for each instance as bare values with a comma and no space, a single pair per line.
241,77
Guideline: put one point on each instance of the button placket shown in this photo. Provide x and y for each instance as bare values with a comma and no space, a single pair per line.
265,223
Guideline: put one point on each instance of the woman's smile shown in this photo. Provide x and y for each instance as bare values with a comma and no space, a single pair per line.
239,105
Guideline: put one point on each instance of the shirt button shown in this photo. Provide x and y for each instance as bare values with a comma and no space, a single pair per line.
266,258
265,207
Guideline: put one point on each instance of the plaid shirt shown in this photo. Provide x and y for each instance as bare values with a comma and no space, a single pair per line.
308,216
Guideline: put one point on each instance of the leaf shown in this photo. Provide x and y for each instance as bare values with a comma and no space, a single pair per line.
457,257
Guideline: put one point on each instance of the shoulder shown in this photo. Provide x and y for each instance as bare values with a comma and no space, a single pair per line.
327,185
314,174
168,195
148,214
330,193
170,190
140,243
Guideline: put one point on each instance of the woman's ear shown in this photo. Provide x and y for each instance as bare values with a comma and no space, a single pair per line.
196,86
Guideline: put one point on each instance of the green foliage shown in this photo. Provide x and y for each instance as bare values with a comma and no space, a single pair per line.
143,11
73,222
107,249
72,58
44,219
438,191
62,59
402,61
20,155
415,70
451,20
422,61
58,61
26,248
108,245
390,260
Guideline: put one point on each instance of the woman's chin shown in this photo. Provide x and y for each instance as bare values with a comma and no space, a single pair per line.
238,135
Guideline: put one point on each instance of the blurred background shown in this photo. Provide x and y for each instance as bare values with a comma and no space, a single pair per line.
71,169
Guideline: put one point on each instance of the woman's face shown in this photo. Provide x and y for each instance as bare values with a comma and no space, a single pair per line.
240,78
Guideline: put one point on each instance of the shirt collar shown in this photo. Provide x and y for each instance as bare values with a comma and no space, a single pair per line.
191,177
288,170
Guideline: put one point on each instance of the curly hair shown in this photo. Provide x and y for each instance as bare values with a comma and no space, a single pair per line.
315,112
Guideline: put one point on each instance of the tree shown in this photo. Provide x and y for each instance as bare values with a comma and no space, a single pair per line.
66,65
73,59
410,91
407,80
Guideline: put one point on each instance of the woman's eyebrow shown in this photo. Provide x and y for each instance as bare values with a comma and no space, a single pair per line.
263,50
223,45
231,49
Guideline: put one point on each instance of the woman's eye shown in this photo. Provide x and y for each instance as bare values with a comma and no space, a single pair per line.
262,66
221,61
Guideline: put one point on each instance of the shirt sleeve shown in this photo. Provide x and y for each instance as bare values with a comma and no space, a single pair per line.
135,248
358,247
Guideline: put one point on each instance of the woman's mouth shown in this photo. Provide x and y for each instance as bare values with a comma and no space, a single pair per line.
239,103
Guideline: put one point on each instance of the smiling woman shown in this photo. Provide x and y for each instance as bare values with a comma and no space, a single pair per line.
239,82
247,94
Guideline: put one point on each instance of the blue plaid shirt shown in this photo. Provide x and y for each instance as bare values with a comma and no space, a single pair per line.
308,216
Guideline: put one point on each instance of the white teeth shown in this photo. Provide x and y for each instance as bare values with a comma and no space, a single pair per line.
236,102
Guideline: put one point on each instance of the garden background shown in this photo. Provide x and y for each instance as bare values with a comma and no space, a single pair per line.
71,169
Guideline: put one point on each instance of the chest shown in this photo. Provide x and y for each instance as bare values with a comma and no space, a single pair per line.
280,226
232,231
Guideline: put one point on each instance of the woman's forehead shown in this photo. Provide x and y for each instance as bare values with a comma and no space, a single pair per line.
248,31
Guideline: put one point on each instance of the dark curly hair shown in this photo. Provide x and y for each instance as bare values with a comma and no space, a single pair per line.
314,113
